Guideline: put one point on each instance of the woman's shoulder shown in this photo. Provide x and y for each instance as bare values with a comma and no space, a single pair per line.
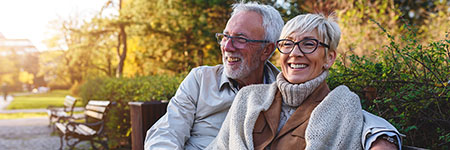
343,96
342,90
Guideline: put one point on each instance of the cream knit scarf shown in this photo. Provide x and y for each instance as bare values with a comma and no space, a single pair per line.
295,94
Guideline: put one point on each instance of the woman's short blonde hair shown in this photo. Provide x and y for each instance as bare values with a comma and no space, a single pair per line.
326,26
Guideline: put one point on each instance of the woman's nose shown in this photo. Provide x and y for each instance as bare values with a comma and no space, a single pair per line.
296,52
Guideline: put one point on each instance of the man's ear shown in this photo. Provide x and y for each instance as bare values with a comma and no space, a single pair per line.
268,49
331,57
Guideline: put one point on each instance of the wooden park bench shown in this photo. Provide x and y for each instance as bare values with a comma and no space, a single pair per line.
56,114
91,129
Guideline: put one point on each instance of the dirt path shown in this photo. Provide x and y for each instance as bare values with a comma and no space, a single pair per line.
27,134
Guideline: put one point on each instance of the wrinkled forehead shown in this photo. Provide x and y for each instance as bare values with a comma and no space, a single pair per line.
245,23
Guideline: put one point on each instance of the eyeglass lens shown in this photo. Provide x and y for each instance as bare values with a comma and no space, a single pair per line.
237,42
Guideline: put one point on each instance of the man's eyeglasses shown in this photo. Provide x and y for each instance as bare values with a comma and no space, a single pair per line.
306,46
236,41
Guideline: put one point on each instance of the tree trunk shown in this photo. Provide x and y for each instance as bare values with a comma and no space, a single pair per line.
122,54
121,40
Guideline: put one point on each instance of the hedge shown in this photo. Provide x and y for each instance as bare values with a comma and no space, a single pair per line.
122,91
410,84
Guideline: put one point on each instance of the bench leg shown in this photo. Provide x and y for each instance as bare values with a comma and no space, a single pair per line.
50,121
61,142
93,145
72,146
103,144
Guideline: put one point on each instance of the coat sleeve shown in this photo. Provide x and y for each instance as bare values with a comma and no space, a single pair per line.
228,136
375,126
173,129
221,142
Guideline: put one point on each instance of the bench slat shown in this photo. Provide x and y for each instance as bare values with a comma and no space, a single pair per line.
86,130
61,127
94,114
69,101
99,102
96,108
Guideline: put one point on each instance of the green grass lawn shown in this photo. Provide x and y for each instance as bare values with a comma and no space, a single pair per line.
35,101
22,115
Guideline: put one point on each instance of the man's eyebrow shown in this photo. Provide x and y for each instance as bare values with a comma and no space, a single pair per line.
240,34
235,34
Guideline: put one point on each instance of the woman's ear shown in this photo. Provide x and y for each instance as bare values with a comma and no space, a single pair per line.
331,57
267,52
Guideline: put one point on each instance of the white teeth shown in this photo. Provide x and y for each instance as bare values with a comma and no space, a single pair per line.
298,66
232,59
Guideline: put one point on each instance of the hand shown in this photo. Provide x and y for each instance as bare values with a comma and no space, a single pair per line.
382,144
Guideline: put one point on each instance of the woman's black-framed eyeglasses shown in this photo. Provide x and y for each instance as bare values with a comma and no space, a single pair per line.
306,46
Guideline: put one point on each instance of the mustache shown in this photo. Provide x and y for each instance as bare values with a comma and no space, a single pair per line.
232,55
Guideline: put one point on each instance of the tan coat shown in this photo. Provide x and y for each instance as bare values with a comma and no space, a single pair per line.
292,135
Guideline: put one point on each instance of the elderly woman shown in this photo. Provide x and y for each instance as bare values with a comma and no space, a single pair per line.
298,111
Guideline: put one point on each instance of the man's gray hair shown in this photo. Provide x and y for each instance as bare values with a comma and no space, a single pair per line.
272,21
327,28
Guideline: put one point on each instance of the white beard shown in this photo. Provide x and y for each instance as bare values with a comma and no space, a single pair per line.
243,70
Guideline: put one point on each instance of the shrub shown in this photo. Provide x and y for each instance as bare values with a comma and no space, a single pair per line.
124,90
411,82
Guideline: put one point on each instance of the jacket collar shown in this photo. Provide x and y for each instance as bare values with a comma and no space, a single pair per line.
272,115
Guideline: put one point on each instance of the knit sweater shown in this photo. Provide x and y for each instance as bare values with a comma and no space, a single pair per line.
336,123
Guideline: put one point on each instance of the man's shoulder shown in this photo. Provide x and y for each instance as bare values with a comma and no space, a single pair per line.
206,74
217,69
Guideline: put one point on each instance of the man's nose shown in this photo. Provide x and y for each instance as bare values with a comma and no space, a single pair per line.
228,45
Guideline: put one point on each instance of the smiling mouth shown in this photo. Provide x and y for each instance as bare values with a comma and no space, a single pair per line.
233,59
298,66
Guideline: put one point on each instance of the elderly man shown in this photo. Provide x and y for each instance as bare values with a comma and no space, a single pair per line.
196,112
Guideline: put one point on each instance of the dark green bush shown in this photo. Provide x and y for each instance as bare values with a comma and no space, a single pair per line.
412,86
124,90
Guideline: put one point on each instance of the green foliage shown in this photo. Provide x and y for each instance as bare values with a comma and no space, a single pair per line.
175,36
124,90
412,87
